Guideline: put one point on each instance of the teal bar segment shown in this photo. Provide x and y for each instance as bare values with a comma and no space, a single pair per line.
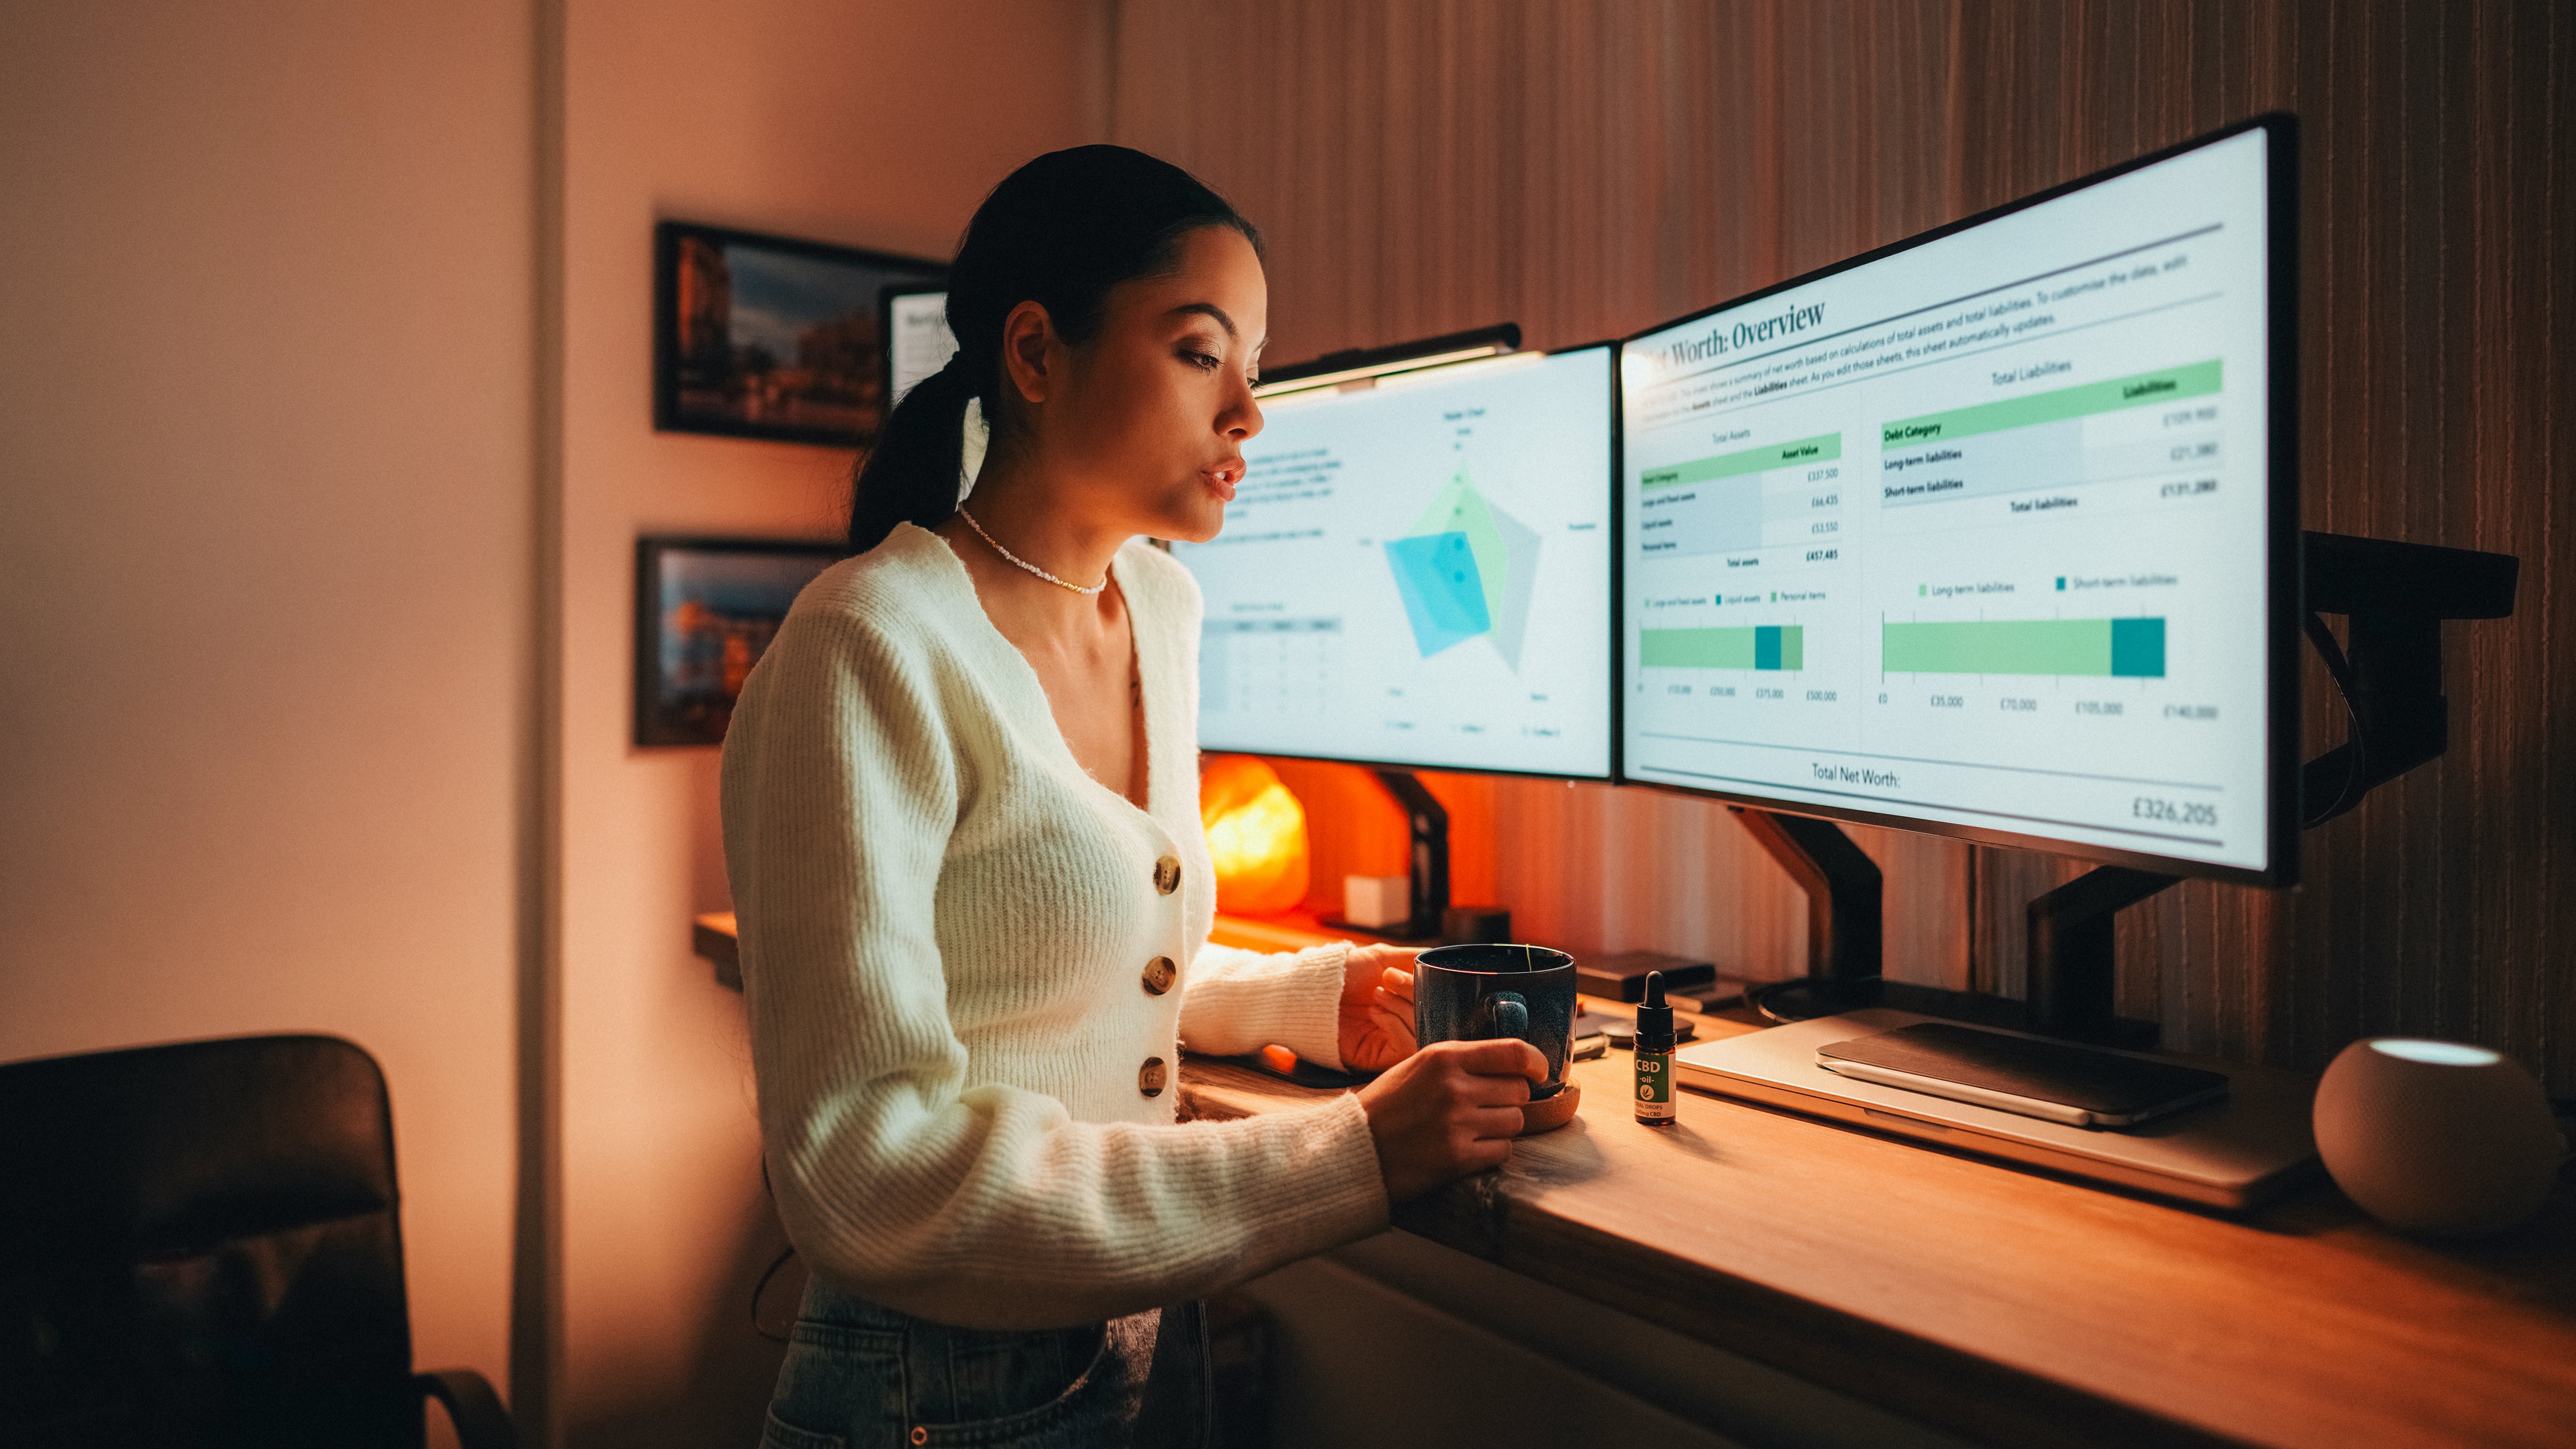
1766,646
2138,648
2134,648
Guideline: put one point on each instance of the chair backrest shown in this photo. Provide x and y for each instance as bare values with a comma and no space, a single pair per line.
199,1245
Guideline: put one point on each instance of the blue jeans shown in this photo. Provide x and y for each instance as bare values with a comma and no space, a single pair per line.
862,1376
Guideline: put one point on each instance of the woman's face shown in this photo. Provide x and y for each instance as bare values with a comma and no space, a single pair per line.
1142,428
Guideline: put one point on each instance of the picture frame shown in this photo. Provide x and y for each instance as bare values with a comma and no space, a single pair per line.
705,611
772,337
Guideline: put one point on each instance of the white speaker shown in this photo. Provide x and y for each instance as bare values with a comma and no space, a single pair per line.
2436,1137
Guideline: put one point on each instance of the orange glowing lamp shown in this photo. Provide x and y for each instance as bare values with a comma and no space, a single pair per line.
1256,834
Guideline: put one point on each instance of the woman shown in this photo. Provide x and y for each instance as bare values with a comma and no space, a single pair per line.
961,817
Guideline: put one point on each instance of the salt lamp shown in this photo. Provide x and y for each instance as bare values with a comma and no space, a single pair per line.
1256,835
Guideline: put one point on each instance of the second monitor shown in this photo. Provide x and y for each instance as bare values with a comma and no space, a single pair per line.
1989,533
1418,573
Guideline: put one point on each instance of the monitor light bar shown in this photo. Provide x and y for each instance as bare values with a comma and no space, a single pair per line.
1370,374
1340,369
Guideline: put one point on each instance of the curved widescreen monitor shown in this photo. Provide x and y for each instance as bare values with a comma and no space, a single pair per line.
1991,532
1419,573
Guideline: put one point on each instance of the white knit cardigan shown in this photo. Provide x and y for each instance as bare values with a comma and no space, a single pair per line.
947,930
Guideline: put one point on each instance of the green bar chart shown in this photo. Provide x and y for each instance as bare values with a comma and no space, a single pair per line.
1752,646
2099,648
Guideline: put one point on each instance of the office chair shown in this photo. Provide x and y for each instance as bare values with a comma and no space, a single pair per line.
200,1247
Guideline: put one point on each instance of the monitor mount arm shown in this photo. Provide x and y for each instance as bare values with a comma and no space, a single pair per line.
1844,899
2394,597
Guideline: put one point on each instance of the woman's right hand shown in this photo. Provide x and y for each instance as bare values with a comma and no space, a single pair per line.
1449,1109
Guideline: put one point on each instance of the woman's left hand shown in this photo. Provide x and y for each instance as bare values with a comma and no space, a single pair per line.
1377,1008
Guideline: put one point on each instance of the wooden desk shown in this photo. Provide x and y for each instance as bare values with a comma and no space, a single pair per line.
2002,1304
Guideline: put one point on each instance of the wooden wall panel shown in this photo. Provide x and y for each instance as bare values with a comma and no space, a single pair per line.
1589,167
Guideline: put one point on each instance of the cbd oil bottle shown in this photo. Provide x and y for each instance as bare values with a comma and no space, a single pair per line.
1655,1105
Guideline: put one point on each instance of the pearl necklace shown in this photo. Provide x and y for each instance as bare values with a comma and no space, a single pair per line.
1024,563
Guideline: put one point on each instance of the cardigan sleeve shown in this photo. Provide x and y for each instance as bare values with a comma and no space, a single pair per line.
1236,1001
982,1205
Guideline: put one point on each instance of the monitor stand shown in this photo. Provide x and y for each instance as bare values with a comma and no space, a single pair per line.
1427,862
2070,944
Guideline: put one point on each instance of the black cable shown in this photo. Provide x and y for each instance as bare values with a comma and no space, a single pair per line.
775,1264
2330,651
762,1286
1759,996
2355,748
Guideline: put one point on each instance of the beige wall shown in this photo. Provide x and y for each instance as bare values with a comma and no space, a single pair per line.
269,484
871,124
265,500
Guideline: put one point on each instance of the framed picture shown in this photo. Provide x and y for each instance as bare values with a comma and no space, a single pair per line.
769,337
705,611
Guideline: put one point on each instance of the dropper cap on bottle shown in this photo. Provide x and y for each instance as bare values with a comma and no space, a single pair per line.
1655,1017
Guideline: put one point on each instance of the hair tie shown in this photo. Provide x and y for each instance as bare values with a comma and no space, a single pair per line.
974,441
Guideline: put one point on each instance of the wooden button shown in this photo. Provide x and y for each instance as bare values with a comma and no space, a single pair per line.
1151,1076
1167,875
1159,974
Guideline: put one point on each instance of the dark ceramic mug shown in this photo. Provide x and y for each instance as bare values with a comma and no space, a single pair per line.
1487,991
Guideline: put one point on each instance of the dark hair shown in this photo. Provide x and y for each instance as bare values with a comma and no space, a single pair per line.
1060,231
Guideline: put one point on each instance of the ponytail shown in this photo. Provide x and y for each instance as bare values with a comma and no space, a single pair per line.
1060,231
915,472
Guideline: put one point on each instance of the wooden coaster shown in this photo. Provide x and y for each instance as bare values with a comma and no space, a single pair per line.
1553,1113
